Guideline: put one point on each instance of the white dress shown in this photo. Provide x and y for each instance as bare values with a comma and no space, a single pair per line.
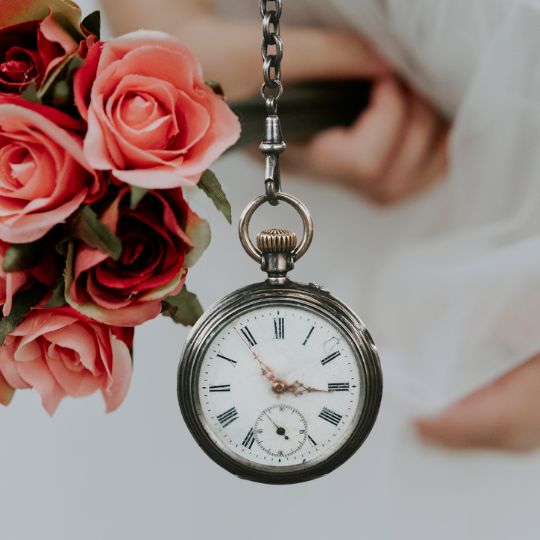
449,284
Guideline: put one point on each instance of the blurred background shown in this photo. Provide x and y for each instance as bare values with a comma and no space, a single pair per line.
440,279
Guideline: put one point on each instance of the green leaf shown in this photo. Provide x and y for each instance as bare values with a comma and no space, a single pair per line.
211,186
30,93
62,76
92,23
58,297
86,226
22,304
216,87
184,308
22,256
137,195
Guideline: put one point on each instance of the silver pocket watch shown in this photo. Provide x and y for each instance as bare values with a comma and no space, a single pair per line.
279,382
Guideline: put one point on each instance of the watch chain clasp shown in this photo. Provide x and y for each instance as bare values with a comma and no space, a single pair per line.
272,146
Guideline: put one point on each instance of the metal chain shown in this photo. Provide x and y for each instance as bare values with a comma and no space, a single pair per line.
271,90
271,50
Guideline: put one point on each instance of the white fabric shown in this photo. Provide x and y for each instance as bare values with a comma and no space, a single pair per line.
449,284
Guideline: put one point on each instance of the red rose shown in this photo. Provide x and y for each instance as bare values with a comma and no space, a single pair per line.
160,239
30,51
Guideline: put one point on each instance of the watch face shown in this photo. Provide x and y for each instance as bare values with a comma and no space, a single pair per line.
279,384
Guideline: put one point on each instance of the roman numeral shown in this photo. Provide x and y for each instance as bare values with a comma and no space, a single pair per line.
228,417
330,357
338,387
249,440
308,336
220,388
279,328
330,416
313,443
225,358
248,336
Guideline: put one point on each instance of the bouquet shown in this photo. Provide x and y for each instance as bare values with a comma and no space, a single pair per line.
99,143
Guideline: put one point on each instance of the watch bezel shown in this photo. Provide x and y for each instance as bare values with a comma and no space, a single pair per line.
246,299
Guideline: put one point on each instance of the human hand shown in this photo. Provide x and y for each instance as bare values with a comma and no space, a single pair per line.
397,146
504,415
395,149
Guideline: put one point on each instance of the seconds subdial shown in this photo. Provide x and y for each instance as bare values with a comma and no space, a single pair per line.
281,430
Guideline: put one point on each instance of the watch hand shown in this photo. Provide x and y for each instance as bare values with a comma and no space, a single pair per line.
279,430
270,418
267,371
298,388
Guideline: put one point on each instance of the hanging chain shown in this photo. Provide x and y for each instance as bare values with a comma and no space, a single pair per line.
272,86
271,90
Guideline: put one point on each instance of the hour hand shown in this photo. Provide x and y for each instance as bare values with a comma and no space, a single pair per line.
298,388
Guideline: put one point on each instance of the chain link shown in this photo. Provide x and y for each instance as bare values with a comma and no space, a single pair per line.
271,90
271,49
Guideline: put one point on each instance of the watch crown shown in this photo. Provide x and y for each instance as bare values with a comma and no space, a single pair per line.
276,241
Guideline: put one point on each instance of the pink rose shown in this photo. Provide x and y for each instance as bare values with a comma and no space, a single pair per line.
159,240
44,176
59,353
152,120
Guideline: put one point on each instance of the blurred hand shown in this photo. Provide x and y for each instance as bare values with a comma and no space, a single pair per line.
397,147
505,415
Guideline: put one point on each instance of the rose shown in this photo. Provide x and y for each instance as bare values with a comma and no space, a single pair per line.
59,353
160,238
44,176
30,51
151,118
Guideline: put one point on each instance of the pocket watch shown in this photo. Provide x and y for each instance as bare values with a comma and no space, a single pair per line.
279,382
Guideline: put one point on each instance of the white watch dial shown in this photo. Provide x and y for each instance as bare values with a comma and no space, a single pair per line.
281,386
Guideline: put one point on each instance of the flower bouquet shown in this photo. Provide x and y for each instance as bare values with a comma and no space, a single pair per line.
98,142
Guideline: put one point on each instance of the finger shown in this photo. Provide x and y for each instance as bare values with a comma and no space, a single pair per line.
419,156
309,54
316,54
504,415
358,154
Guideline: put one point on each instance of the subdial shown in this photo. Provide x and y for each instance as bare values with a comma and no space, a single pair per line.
281,430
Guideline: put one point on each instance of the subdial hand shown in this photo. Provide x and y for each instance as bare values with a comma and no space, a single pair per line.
279,430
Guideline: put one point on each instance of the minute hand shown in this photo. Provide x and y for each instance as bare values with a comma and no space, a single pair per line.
266,371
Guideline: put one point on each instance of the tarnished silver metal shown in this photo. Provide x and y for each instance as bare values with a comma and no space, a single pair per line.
243,227
272,45
311,299
271,90
272,146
